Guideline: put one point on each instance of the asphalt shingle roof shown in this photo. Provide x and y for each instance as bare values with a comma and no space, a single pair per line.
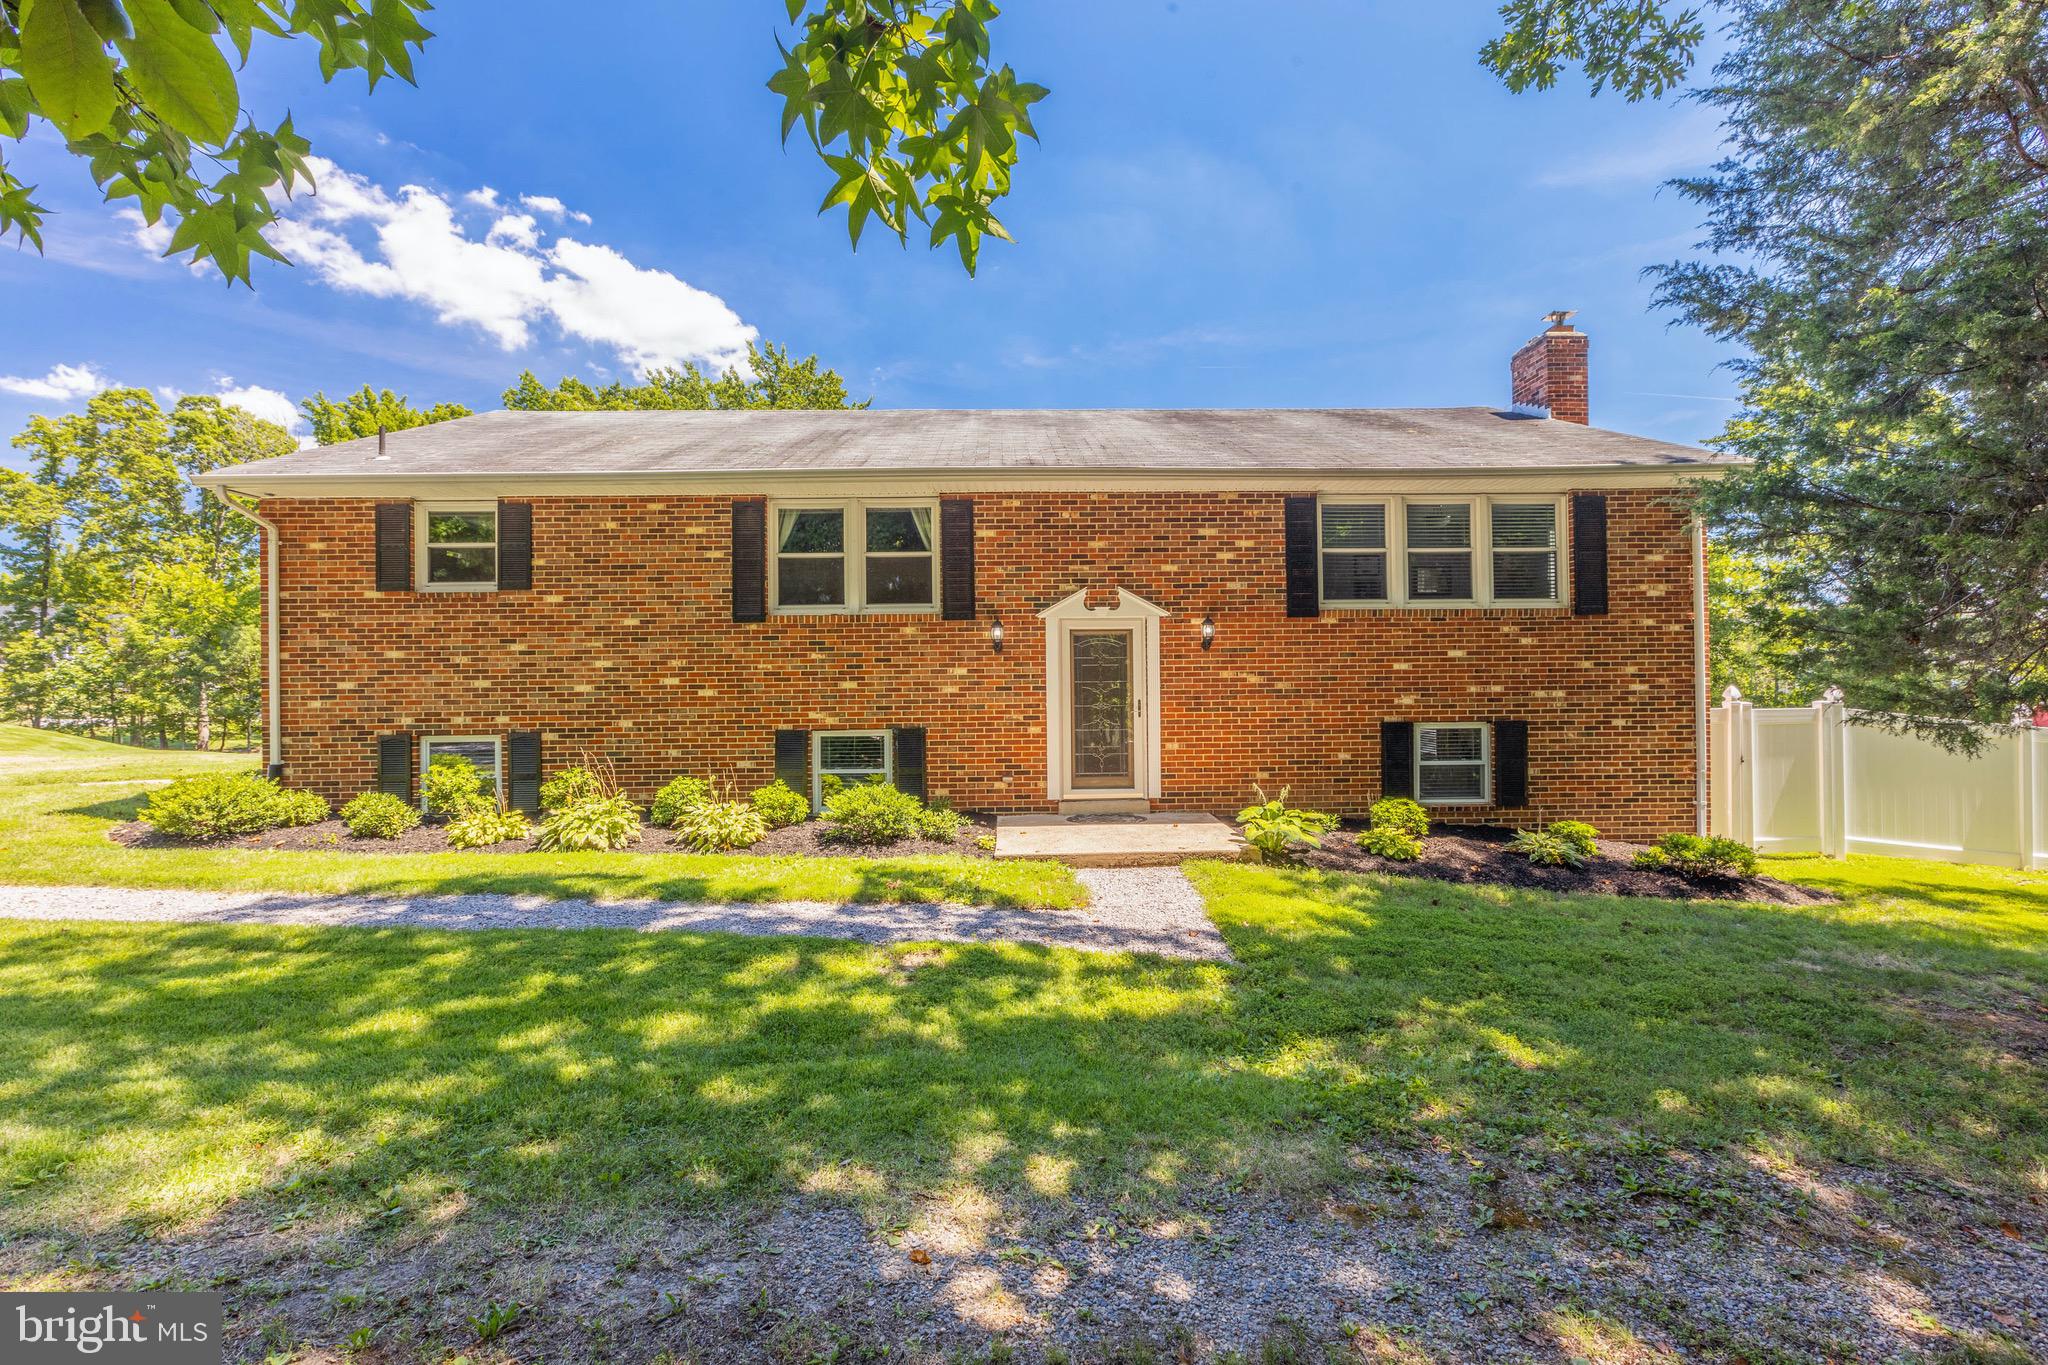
1252,440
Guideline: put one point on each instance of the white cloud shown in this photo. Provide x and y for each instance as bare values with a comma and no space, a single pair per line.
1692,143
268,404
62,383
155,238
414,245
553,207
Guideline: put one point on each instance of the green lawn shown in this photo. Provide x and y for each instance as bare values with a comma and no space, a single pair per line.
59,794
162,1074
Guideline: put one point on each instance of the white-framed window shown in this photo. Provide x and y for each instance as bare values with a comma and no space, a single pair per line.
455,547
847,555
852,756
484,751
1453,764
1440,551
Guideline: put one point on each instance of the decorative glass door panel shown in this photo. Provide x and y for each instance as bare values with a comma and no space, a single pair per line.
1101,749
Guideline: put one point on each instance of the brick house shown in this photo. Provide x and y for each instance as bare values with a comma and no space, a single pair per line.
1497,611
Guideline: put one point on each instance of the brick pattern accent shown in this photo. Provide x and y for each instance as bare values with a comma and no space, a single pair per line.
1550,372
625,648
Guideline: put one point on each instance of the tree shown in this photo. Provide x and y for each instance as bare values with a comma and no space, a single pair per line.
142,91
128,598
366,412
773,381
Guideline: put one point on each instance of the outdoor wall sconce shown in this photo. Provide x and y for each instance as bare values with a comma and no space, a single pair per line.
1208,632
995,634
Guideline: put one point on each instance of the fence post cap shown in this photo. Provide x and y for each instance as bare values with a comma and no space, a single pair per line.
1831,697
1731,693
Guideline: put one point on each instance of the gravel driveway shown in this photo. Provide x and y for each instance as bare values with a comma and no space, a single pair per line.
1134,909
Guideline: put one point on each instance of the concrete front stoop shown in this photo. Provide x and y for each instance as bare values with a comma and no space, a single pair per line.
1117,839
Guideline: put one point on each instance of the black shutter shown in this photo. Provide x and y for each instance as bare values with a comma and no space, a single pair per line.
394,766
1304,590
515,547
1397,758
956,559
522,770
749,560
1511,763
394,547
908,741
1589,554
793,760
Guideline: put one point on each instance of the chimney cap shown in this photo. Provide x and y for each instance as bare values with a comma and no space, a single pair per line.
1560,319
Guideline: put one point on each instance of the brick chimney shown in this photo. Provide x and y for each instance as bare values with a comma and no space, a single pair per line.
1548,375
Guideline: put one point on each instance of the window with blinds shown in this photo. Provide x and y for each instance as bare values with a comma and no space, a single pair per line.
1439,551
1354,551
1524,551
1451,767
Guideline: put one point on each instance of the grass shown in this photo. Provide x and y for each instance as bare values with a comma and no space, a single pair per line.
163,1075
59,794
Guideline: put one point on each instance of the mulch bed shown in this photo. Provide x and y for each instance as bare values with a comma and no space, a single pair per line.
1479,854
332,836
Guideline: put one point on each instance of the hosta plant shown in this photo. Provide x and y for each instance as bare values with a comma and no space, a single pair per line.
873,813
1577,833
1699,857
678,799
779,805
1547,848
379,815
482,826
1395,845
1273,827
716,826
601,824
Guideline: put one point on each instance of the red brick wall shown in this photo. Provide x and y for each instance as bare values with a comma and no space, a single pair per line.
625,648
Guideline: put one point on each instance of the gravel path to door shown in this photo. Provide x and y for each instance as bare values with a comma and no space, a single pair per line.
1131,909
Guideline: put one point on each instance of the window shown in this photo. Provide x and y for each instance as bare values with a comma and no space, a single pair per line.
1524,551
458,548
1441,551
1354,551
855,556
851,756
482,750
1451,766
810,556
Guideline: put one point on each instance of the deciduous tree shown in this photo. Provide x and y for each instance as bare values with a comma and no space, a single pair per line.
367,411
773,380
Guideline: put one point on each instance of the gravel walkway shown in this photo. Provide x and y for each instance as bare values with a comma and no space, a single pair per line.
1135,909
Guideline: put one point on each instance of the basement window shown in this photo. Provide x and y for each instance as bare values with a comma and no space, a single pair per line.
1451,765
847,758
458,548
482,750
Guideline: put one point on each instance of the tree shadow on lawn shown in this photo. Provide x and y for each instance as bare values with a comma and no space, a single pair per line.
167,1075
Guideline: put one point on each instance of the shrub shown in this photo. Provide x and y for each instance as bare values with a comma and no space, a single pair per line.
1577,833
1397,845
1399,813
220,805
1690,855
678,799
453,786
296,807
941,824
779,806
600,824
569,786
1274,828
716,826
873,813
379,815
481,825
1547,848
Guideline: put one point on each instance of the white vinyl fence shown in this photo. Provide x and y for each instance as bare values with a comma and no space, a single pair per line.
1804,779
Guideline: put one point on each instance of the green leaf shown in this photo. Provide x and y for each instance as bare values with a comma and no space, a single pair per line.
106,18
180,73
15,106
67,67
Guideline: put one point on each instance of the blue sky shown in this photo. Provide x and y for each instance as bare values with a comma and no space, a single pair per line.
1341,209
